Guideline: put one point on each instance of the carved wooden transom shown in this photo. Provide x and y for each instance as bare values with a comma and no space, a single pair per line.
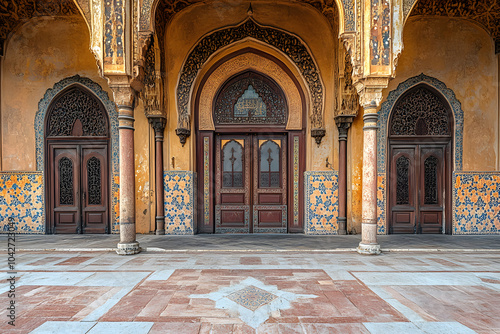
77,112
484,12
420,113
13,13
250,99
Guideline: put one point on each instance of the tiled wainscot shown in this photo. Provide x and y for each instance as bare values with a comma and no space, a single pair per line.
180,202
22,199
476,203
321,202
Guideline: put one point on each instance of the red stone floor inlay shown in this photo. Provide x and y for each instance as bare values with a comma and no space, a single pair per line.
169,301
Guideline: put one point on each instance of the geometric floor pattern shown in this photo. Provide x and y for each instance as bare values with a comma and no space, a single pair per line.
254,292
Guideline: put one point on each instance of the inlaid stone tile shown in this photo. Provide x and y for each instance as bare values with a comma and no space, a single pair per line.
251,297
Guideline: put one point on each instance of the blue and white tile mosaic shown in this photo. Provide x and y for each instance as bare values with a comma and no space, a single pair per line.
381,204
110,107
180,202
476,203
321,202
22,200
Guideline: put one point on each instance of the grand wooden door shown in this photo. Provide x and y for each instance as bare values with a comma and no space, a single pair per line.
417,180
78,188
251,183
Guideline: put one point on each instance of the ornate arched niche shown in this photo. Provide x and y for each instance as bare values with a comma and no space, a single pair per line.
251,60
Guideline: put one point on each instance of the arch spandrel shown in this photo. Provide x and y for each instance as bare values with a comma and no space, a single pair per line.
257,63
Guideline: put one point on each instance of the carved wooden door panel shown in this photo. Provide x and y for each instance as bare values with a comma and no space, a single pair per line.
65,184
78,188
402,199
232,185
94,190
269,209
416,188
251,184
431,189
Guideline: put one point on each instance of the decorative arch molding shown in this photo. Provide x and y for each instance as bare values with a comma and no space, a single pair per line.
288,44
93,88
395,95
344,8
240,63
52,93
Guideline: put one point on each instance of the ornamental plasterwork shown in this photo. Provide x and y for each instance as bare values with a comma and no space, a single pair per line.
485,12
244,62
16,12
286,43
349,104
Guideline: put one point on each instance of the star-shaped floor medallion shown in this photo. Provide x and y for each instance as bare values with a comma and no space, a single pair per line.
252,300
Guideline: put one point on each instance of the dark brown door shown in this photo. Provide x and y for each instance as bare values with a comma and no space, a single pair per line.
251,184
417,184
78,188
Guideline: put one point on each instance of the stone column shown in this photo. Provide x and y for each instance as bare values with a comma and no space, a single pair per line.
158,123
343,123
124,98
368,244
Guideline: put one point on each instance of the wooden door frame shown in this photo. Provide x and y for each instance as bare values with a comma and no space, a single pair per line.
447,142
49,167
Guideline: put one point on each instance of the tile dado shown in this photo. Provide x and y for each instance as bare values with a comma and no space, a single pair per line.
381,203
180,201
476,203
22,198
321,202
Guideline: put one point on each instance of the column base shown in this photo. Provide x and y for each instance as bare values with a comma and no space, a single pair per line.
342,221
368,249
128,248
160,232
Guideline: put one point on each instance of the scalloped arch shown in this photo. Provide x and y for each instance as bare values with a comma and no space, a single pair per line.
388,105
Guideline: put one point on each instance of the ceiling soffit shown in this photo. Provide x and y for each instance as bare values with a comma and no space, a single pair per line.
13,13
484,12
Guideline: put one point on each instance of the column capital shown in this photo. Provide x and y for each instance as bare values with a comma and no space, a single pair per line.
123,93
370,91
343,123
158,123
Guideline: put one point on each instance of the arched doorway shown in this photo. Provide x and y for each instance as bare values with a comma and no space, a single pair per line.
77,163
249,161
420,164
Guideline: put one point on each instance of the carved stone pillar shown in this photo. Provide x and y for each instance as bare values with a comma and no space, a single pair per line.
343,123
158,123
124,98
368,244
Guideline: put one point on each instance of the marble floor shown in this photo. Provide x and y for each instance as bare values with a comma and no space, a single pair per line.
253,292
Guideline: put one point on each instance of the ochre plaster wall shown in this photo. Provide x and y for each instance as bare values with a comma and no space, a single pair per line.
355,173
40,53
144,170
460,54
188,27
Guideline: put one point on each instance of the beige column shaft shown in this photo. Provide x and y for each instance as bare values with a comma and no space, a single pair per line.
368,244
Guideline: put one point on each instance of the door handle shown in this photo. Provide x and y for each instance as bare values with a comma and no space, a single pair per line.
84,194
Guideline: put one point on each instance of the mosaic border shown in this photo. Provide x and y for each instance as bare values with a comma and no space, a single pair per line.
485,207
296,160
38,228
206,180
309,228
110,107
